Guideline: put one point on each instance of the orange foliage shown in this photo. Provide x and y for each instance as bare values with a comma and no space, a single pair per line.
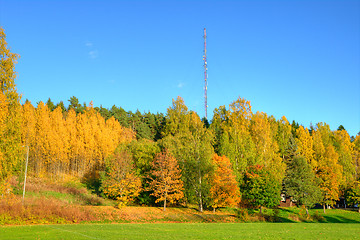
225,190
167,184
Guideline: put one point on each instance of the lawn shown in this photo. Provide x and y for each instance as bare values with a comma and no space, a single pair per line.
185,231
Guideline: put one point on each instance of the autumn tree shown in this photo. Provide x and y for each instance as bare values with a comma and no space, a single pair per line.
345,149
266,146
356,156
328,169
120,181
177,118
330,174
305,145
4,172
166,181
224,187
10,116
283,138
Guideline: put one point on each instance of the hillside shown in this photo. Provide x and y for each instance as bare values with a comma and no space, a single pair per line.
69,202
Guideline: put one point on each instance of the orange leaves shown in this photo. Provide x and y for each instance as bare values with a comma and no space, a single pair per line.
166,184
224,191
329,171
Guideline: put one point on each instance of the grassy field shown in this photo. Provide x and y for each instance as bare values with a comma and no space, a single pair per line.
185,231
54,207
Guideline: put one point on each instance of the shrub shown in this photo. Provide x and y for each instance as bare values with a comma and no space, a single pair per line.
318,217
242,214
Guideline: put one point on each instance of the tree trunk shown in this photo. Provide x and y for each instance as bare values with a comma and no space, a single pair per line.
165,204
307,211
213,210
260,209
165,197
200,203
324,209
200,196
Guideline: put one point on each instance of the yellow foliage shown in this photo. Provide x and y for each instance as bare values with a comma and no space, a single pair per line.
330,173
305,145
121,183
69,143
123,190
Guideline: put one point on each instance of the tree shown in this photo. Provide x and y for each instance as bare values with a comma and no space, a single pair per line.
301,184
4,172
352,194
10,116
74,104
50,104
166,182
177,118
305,145
356,156
121,182
235,140
143,152
283,137
340,128
266,146
330,174
224,188
259,189
345,149
61,105
190,142
328,169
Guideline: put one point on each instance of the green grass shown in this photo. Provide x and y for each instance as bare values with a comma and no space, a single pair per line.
185,231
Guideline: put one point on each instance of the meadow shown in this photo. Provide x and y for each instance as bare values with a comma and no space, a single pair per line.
70,211
259,230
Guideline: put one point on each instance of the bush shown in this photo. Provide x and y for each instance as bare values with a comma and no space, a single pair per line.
318,217
242,214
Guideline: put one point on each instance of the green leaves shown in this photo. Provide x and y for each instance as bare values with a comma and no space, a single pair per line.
301,184
259,189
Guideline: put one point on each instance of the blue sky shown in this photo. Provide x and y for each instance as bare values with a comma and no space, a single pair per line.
300,59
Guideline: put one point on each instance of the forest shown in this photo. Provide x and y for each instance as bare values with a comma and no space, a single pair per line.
238,158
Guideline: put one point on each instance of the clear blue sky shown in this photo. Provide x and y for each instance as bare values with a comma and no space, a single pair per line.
300,59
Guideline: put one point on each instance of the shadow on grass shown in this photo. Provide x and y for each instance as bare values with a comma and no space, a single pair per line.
284,220
338,219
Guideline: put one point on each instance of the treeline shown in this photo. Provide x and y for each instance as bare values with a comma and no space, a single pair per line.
145,125
266,156
239,157
68,143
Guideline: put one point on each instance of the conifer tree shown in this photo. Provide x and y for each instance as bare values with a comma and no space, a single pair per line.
301,184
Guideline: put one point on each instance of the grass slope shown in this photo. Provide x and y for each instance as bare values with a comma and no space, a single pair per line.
70,202
185,231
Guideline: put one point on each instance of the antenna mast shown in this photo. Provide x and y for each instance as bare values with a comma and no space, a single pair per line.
205,73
